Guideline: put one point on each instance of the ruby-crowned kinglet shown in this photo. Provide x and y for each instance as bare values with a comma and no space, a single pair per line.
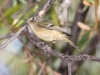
48,32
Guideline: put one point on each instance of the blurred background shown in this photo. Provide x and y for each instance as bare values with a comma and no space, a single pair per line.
79,17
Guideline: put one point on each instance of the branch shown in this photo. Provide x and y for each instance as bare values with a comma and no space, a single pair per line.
47,49
43,10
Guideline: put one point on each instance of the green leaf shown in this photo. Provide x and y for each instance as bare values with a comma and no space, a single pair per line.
84,39
4,31
30,12
54,16
11,11
92,1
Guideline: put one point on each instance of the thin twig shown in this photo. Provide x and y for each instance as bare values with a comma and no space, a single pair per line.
69,68
12,38
42,68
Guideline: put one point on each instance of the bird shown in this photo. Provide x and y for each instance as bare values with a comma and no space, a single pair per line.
48,32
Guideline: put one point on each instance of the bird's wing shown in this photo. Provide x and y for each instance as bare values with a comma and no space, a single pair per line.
51,26
60,30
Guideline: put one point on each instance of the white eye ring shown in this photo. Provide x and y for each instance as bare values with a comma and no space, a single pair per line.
33,18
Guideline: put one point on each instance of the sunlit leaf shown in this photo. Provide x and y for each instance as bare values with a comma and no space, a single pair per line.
25,17
11,11
92,1
87,3
54,16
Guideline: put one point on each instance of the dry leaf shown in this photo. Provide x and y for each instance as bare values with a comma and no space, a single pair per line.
83,26
82,33
90,35
87,3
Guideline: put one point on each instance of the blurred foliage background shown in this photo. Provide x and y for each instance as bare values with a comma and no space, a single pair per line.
20,57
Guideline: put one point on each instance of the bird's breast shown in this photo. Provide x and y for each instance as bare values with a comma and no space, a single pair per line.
47,35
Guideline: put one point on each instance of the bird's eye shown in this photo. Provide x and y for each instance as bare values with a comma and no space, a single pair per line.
33,18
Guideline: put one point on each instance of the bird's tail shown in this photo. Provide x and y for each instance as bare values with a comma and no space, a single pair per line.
70,42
